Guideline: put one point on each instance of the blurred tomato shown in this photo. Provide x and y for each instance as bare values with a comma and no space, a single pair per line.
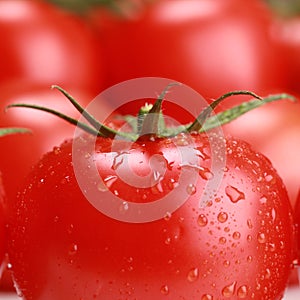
44,44
274,130
287,34
213,46
22,151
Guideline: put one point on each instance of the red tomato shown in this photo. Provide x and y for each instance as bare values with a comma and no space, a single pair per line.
22,151
287,34
274,131
99,239
211,45
42,43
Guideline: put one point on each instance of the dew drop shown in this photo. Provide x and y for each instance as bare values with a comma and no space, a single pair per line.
234,194
226,263
222,217
73,249
206,174
242,292
109,180
249,224
249,259
193,275
228,291
164,290
167,216
261,238
236,235
202,220
207,297
222,240
191,189
263,200
124,207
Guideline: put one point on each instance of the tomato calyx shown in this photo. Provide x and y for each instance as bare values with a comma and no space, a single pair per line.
150,119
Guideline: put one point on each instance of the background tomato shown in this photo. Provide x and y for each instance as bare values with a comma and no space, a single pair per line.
44,44
286,33
213,46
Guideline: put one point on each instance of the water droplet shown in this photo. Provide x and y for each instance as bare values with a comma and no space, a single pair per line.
207,297
167,216
109,180
234,194
261,237
202,220
168,241
236,235
263,200
242,292
228,291
249,224
164,290
222,217
181,140
222,240
56,150
124,207
73,249
273,214
268,178
249,259
205,173
191,189
226,263
193,275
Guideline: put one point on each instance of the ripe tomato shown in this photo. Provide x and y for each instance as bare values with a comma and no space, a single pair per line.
107,218
22,151
211,45
286,33
274,131
42,43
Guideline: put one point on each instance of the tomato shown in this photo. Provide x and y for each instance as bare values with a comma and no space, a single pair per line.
22,151
188,216
212,46
44,44
274,131
286,34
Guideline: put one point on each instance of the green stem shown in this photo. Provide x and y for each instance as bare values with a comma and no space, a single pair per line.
233,113
153,121
198,123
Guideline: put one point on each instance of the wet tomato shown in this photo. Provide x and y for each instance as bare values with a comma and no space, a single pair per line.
184,216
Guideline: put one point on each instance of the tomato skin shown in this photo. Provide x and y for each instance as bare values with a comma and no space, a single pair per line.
47,45
274,131
212,46
23,150
244,249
